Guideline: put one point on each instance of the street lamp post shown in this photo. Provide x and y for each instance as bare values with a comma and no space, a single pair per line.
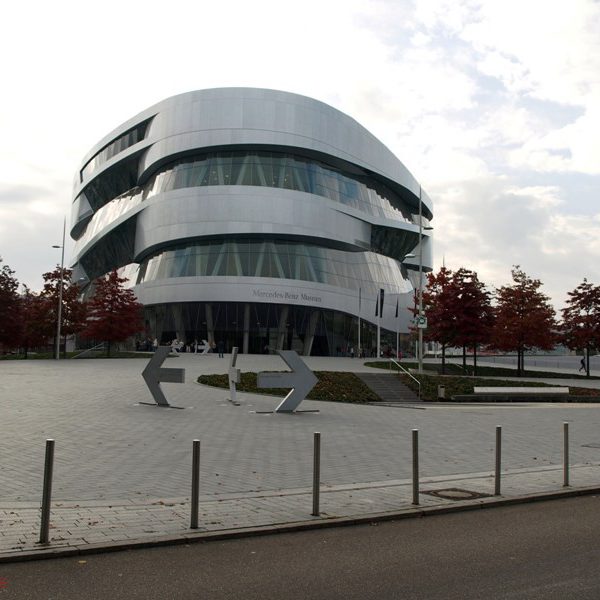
378,324
420,327
358,352
420,349
60,290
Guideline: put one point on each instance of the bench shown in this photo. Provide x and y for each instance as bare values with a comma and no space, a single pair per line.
515,394
520,390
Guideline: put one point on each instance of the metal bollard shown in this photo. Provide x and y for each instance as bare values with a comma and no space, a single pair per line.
47,492
316,473
195,483
566,454
498,460
415,465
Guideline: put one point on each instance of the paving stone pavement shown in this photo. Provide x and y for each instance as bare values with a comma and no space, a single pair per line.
119,464
95,524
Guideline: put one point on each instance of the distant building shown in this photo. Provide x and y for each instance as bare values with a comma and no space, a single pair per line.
256,217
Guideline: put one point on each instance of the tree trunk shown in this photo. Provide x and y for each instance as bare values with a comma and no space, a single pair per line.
587,362
443,359
519,351
465,359
108,350
474,360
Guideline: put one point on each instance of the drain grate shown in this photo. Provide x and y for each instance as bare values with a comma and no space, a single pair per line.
455,494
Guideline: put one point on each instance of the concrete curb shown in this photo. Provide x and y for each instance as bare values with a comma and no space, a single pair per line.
191,537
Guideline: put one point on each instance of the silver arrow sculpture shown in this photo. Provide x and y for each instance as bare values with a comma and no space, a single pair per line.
234,376
301,380
153,374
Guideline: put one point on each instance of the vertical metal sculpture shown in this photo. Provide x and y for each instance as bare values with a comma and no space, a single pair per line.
234,376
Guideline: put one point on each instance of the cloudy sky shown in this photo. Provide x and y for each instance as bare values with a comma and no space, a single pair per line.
493,105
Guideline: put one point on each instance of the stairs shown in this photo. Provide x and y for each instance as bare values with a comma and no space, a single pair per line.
389,388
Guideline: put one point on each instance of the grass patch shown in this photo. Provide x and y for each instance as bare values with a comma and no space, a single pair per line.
333,386
457,370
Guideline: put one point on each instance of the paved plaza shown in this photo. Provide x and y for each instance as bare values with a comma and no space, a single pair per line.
123,469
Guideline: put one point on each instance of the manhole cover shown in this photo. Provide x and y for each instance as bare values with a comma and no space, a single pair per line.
455,494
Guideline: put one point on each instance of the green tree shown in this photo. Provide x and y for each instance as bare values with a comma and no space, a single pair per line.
580,327
114,314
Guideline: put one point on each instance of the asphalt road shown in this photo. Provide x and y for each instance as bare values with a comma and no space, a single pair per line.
536,551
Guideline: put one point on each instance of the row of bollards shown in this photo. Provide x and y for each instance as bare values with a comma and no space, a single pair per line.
195,496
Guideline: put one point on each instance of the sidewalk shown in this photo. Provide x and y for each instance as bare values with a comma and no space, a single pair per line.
92,526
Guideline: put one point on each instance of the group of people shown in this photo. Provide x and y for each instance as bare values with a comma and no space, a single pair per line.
177,345
147,345
196,347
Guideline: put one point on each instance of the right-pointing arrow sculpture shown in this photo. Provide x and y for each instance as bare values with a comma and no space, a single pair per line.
301,380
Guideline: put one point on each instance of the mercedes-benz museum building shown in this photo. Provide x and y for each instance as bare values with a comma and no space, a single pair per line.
259,218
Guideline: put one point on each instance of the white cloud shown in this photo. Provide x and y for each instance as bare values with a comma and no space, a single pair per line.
483,100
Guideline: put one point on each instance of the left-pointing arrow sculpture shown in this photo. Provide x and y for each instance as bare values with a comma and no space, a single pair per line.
153,374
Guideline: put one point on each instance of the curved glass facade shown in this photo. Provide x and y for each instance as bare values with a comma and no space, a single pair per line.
221,263
124,141
108,214
266,327
287,171
281,259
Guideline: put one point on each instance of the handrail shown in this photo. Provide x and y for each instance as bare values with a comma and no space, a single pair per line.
464,368
408,373
89,350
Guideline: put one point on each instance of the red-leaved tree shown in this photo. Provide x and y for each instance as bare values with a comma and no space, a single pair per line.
472,308
524,317
114,314
73,309
438,304
459,312
580,328
36,325
10,319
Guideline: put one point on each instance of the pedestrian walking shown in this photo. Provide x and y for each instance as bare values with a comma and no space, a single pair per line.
220,348
582,363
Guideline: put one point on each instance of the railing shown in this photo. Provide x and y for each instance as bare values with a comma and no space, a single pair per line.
94,349
459,365
407,372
